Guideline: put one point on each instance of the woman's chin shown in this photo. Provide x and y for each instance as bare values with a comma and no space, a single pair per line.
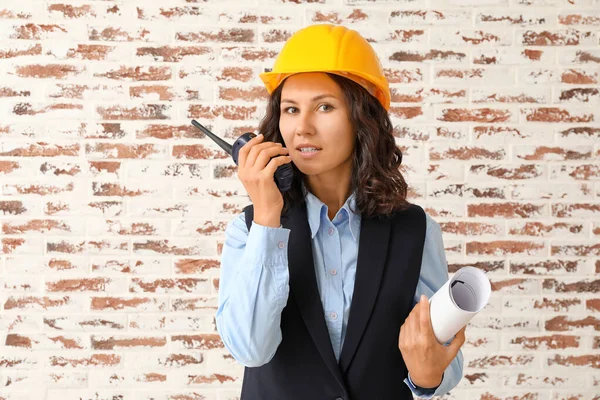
307,169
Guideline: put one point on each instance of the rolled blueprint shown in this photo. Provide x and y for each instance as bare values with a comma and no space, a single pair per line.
459,300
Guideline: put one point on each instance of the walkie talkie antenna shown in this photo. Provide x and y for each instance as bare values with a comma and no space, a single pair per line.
223,144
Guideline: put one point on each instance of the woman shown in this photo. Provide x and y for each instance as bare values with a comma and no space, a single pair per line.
324,288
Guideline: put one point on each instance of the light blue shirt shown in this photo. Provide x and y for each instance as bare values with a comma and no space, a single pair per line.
254,283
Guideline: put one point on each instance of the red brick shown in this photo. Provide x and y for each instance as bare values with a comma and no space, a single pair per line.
568,37
149,73
122,342
357,15
78,285
556,114
541,229
575,210
486,266
81,92
248,55
192,266
20,51
475,115
198,152
35,109
563,153
467,153
582,18
582,57
162,91
136,304
169,14
230,112
556,286
546,342
241,94
501,361
579,95
593,304
439,56
70,11
39,31
174,54
580,250
431,95
168,132
590,360
95,360
39,303
577,172
110,150
406,112
579,76
182,285
6,13
164,247
54,71
42,149
505,210
236,35
118,34
505,247
198,342
142,112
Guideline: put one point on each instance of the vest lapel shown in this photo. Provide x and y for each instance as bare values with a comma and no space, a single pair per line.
303,285
372,251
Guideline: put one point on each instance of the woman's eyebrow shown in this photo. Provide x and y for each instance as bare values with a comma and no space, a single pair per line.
319,97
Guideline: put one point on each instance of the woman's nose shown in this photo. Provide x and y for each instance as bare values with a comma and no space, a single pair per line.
304,124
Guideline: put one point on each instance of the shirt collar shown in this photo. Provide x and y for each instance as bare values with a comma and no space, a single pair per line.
316,210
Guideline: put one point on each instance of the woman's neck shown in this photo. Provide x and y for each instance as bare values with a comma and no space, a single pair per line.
332,194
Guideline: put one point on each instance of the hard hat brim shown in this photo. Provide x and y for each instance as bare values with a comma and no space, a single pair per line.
376,87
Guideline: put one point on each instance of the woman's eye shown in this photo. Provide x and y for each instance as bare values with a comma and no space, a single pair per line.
287,110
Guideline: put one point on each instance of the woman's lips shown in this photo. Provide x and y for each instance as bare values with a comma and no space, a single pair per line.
308,154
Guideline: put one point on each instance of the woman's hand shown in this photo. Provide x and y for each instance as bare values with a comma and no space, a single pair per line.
424,357
257,164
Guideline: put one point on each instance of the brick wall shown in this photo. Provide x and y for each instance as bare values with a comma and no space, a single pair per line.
114,206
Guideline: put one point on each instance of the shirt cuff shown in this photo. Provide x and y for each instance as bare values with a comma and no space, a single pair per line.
425,393
268,244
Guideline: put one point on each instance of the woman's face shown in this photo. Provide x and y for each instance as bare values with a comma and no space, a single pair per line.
314,111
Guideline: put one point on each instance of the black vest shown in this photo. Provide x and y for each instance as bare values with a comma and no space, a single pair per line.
371,366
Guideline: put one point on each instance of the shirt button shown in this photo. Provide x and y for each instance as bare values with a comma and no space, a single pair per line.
281,245
333,272
339,216
333,315
331,231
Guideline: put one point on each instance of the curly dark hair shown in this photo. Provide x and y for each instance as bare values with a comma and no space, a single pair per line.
376,177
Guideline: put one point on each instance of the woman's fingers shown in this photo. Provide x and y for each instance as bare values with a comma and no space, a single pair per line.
267,154
276,162
454,346
243,154
255,151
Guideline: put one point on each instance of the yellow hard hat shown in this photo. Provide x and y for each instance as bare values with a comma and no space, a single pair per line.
334,49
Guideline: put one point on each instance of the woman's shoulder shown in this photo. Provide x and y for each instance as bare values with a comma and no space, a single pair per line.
415,212
409,209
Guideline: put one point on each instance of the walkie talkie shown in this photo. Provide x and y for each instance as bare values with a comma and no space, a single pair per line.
284,173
